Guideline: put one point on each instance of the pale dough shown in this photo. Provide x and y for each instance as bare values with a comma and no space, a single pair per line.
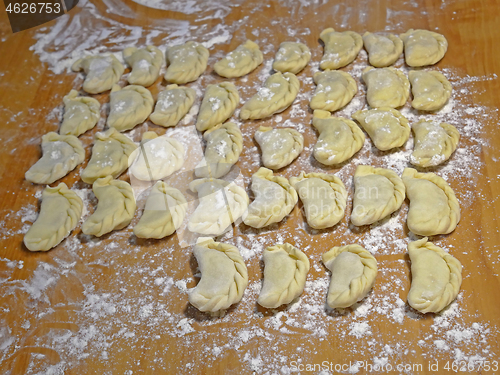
382,50
386,87
341,48
81,113
145,63
129,106
218,105
279,146
291,57
431,90
423,47
186,62
103,71
335,89
243,60
172,105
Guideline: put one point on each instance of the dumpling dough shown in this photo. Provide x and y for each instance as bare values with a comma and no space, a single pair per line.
423,47
434,143
163,214
382,50
110,156
291,57
60,155
339,138
285,272
221,203
157,158
224,276
387,127
278,94
81,113
335,90
115,209
103,71
186,62
353,274
129,106
324,197
145,63
244,59
431,90
172,105
274,199
386,87
341,48
434,209
224,145
218,105
60,213
279,146
436,277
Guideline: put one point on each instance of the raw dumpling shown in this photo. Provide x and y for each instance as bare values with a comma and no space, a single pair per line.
378,192
353,274
224,276
431,90
291,57
157,158
382,50
436,277
279,146
115,209
341,48
129,106
172,105
285,272
218,105
163,214
386,87
186,62
274,199
109,156
224,145
324,197
339,138
60,155
221,203
244,59
102,72
335,90
387,127
81,113
423,47
278,93
434,143
60,213
145,63
434,208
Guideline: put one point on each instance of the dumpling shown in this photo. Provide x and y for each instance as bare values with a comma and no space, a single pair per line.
386,87
387,127
274,199
218,105
378,192
157,158
224,276
60,155
339,138
221,203
436,277
431,90
324,197
291,57
341,48
423,47
81,113
382,50
244,59
278,94
172,105
353,274
109,156
115,209
335,90
129,106
145,63
186,62
60,213
285,272
434,209
279,146
224,145
434,143
163,214
103,71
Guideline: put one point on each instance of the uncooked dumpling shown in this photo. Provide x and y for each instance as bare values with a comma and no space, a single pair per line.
103,71
431,90
218,105
81,113
382,50
291,57
335,90
186,62
279,146
341,48
145,63
423,47
172,105
386,87
244,59
129,106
